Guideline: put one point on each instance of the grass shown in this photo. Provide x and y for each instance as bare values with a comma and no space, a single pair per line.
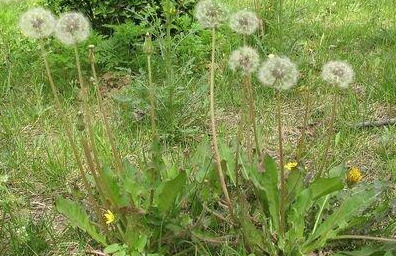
36,156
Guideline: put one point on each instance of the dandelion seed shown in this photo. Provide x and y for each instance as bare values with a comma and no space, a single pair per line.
279,72
244,22
109,216
210,14
290,166
338,73
72,28
245,58
37,23
354,176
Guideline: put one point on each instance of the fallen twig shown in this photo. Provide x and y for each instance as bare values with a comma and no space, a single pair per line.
377,123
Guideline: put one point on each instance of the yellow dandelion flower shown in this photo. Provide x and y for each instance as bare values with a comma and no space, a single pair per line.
290,166
110,217
354,176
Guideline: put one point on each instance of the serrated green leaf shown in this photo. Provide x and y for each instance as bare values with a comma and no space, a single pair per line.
112,189
267,182
325,186
167,193
79,218
228,162
339,219
112,248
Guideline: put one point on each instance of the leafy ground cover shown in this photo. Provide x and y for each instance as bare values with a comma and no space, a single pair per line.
37,165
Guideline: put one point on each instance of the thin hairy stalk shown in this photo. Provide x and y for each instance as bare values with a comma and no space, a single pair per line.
69,132
110,135
280,24
252,113
281,165
151,96
257,7
168,57
318,217
374,238
237,147
307,110
91,166
214,133
84,89
330,135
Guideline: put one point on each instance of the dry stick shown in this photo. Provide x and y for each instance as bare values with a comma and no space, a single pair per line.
109,132
301,144
282,171
329,137
69,133
367,124
214,134
374,238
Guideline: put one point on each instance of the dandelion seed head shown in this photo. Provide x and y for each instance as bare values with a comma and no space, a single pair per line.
72,28
37,23
210,14
338,73
244,22
245,59
279,72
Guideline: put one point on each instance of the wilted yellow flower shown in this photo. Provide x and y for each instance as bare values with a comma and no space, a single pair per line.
354,176
290,165
110,217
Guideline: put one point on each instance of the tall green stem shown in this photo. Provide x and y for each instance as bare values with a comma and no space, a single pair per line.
281,165
84,89
151,96
214,133
301,144
252,113
109,132
330,135
69,132
168,58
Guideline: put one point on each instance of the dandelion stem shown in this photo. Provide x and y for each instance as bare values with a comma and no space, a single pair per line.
307,109
151,96
252,113
69,132
86,110
329,136
214,134
320,214
109,132
168,58
281,168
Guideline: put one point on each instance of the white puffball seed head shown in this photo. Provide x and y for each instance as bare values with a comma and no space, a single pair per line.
72,28
37,23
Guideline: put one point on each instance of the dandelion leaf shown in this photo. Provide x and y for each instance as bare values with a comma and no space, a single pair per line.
78,218
168,192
